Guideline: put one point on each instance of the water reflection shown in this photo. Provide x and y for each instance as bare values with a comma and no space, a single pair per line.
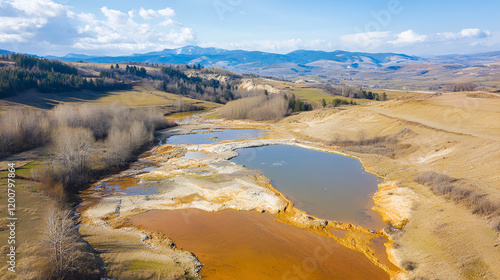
326,185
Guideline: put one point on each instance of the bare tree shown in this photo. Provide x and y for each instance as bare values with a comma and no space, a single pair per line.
139,135
119,145
23,129
59,240
73,146
239,109
274,108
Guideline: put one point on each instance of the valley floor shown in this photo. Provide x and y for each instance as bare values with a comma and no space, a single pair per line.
432,236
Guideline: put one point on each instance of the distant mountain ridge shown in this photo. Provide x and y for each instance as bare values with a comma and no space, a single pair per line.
296,63
194,53
335,65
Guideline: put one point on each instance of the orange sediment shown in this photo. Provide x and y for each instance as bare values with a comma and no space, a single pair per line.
249,245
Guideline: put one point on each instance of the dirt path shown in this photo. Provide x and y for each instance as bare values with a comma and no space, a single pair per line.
454,119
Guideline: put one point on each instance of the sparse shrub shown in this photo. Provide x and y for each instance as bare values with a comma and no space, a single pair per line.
73,149
152,117
460,192
23,129
97,118
77,133
495,223
119,145
485,207
257,108
240,108
462,87
408,265
273,108
382,145
73,146
49,183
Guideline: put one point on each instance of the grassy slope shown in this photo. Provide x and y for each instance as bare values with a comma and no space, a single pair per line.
316,95
139,95
30,204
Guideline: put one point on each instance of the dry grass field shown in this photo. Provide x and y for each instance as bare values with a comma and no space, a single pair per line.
139,95
434,236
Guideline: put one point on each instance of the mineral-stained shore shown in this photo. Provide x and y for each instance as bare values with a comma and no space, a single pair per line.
211,183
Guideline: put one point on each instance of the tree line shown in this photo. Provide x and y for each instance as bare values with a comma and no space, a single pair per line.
353,92
13,81
173,79
176,81
31,62
48,77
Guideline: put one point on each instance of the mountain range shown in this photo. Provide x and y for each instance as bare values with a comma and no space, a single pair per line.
327,67
296,63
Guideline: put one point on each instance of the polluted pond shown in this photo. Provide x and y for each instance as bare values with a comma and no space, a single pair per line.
229,204
326,185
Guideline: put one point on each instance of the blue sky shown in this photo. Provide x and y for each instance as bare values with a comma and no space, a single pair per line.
115,27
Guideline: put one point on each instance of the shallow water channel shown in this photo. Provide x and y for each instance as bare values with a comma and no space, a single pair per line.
325,185
205,136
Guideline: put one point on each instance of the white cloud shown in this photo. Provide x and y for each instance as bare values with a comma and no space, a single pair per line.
167,12
275,46
409,37
115,17
182,38
41,26
169,22
38,7
464,33
121,32
148,14
21,19
389,41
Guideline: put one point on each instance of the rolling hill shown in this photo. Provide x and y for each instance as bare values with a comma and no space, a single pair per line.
376,70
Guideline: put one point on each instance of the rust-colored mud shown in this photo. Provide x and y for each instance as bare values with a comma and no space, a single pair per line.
249,245
381,252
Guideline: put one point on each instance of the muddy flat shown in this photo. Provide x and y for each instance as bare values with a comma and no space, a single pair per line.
248,245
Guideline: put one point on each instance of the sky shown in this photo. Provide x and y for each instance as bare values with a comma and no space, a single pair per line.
122,27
